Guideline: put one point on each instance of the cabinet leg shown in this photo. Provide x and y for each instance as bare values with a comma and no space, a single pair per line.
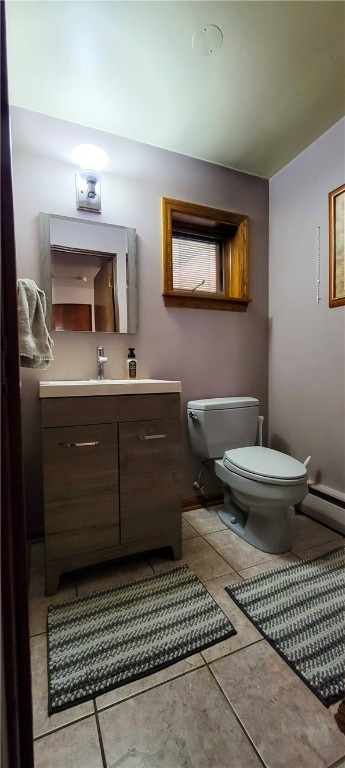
52,581
176,549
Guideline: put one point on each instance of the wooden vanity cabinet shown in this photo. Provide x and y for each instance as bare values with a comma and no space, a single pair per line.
81,489
112,479
150,478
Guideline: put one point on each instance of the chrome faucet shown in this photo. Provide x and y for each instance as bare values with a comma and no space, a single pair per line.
101,359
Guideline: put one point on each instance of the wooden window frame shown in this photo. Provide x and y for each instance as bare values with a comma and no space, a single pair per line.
235,296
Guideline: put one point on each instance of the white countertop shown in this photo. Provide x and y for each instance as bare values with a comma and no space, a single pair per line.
93,387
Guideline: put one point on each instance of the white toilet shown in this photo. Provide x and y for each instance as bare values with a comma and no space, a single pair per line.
259,484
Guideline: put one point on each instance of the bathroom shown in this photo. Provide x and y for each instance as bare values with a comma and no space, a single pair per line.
287,349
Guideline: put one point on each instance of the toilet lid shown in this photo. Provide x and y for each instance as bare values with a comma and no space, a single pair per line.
264,464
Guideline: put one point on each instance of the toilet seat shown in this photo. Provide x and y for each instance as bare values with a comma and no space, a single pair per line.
265,465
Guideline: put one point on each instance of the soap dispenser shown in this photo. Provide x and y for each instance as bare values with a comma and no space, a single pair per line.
131,364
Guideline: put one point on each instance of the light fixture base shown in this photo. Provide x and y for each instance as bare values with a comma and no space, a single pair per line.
88,190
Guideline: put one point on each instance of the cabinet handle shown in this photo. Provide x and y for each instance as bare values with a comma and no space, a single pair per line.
151,437
80,445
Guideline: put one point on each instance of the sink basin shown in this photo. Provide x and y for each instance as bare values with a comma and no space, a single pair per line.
87,387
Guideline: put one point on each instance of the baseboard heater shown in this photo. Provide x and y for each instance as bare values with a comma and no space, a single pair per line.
325,505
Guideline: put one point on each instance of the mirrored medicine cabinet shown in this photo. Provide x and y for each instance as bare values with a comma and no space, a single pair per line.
89,275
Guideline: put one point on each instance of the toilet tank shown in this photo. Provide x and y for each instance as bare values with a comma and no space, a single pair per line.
220,423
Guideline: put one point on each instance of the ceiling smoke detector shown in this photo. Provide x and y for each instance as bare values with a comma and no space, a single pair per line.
207,40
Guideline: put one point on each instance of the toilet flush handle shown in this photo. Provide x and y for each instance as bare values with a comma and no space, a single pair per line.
307,461
193,416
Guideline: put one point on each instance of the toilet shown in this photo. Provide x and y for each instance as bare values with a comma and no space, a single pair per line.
260,484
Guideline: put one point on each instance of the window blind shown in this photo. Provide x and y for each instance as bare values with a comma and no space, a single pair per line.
195,262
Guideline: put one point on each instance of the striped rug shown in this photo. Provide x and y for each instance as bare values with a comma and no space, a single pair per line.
106,639
300,610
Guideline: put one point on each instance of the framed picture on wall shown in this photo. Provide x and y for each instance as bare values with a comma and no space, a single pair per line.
336,201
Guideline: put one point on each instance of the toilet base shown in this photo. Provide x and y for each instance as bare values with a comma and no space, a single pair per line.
266,529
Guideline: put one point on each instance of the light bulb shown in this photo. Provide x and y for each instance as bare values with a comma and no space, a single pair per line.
90,156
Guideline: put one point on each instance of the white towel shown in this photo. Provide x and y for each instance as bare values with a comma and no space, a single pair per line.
35,344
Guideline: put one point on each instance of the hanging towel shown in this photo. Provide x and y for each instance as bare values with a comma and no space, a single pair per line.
35,344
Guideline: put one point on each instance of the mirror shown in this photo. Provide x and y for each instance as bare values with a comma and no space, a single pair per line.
88,275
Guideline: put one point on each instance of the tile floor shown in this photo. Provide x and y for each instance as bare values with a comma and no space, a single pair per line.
234,705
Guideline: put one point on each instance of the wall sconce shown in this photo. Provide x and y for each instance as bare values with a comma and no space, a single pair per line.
92,160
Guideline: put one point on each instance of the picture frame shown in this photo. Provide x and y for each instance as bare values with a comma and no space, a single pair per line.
336,207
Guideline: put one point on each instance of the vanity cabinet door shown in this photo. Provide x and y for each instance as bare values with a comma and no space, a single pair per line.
150,483
80,468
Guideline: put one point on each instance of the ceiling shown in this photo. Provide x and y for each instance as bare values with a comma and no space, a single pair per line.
129,68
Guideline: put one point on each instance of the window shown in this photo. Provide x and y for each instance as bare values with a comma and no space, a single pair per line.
196,263
205,257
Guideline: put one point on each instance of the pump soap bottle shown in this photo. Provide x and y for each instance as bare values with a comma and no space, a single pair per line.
131,364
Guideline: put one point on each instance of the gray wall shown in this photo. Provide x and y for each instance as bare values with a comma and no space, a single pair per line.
307,339
212,353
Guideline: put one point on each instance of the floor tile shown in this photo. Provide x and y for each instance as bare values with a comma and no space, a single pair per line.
110,575
188,532
204,520
39,601
145,683
42,723
198,728
76,745
307,533
321,548
246,632
286,722
201,558
270,565
333,707
184,723
339,763
237,552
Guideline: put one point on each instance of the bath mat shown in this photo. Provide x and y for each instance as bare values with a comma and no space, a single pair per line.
108,638
300,610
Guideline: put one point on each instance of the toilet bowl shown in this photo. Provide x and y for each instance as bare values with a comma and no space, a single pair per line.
260,485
